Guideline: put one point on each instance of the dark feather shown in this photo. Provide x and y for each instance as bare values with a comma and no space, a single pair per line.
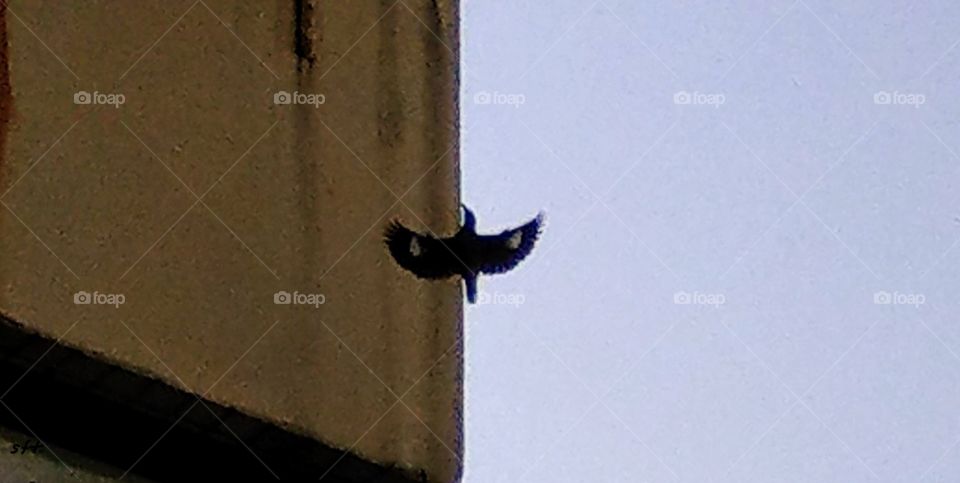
500,253
424,255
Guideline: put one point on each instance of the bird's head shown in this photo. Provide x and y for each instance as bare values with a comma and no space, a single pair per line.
469,221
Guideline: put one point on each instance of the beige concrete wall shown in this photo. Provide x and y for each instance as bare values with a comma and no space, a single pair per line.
198,199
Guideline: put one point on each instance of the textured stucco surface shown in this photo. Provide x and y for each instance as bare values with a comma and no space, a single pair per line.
292,198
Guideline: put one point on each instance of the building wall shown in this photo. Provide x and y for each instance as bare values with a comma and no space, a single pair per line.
198,198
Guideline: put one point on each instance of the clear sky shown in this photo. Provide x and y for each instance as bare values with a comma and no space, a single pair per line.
749,268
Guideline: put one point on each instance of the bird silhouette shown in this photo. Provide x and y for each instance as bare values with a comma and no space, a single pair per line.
466,253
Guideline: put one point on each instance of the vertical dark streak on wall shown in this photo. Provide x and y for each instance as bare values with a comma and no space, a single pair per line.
6,96
305,146
302,41
6,100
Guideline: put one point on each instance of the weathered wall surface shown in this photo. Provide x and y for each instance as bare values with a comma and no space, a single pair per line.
198,198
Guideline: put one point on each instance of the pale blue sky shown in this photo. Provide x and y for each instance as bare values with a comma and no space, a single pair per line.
785,166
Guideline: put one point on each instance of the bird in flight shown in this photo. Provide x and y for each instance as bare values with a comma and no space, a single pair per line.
466,253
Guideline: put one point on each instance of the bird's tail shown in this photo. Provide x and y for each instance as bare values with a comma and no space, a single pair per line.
471,283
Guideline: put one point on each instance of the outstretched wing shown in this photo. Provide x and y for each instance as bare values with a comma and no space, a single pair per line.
500,253
424,255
